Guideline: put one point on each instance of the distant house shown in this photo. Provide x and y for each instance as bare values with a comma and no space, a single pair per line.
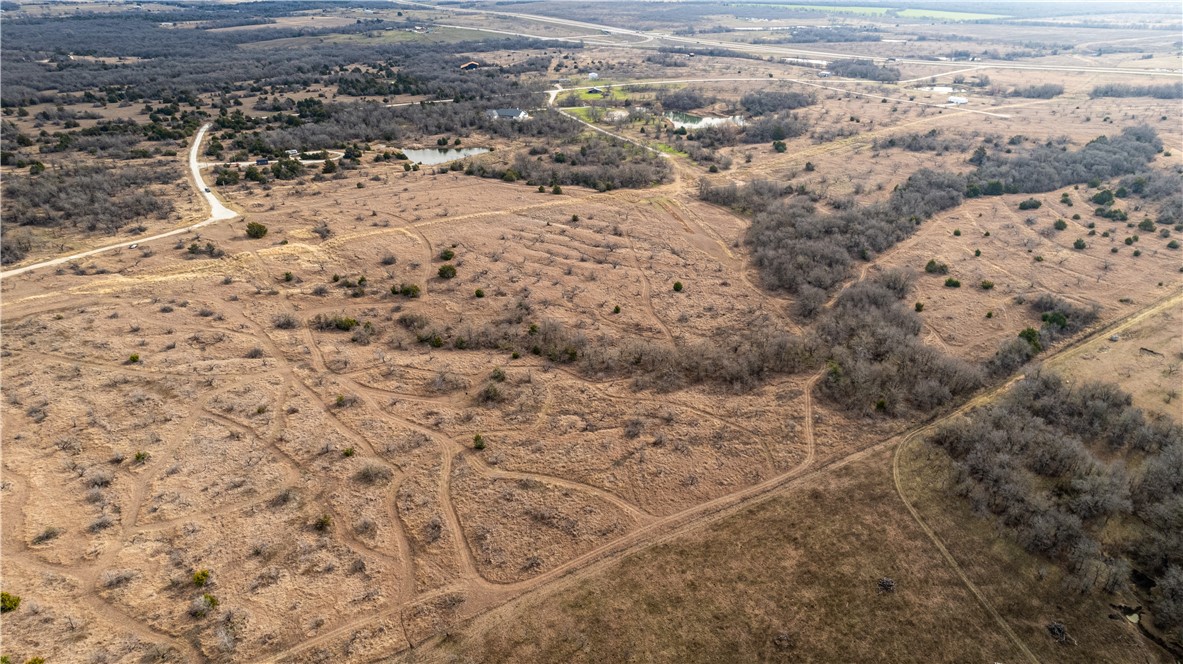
957,101
507,114
824,74
469,66
595,91
292,153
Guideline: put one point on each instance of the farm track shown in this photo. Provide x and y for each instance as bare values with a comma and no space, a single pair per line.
1059,356
709,512
484,595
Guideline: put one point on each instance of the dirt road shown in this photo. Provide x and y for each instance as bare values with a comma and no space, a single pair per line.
218,212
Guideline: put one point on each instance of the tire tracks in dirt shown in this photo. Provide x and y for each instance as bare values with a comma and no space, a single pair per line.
1059,356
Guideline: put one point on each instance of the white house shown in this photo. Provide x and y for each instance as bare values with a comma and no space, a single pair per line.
957,101
507,114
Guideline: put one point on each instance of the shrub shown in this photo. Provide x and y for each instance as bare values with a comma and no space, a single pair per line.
480,292
1030,204
919,307
372,474
556,190
1079,244
46,535
1173,244
489,394
201,577
335,322
9,602
1060,224
616,309
406,290
203,605
677,287
957,232
285,322
323,523
933,267
478,443
952,283
255,230
348,451
447,271
1031,336
447,255
987,285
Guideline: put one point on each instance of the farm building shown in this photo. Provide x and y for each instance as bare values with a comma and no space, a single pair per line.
469,66
595,91
957,101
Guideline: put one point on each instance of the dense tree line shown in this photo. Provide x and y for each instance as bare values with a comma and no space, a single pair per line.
875,359
1049,167
776,127
1059,318
597,162
1044,91
1058,464
763,102
88,197
709,51
826,34
929,141
684,99
865,69
802,250
1164,91
173,63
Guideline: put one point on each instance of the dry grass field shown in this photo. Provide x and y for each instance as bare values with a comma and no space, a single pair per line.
321,445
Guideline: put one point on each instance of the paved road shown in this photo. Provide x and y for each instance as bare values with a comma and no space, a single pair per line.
218,212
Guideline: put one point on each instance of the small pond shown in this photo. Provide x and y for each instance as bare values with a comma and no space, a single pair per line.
694,122
433,156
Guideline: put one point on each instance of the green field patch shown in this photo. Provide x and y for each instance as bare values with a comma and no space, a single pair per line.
668,149
581,112
607,93
945,15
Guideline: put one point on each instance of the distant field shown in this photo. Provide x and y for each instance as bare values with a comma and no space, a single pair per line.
951,16
378,37
906,13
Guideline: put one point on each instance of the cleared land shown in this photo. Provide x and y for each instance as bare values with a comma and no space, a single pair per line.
435,414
